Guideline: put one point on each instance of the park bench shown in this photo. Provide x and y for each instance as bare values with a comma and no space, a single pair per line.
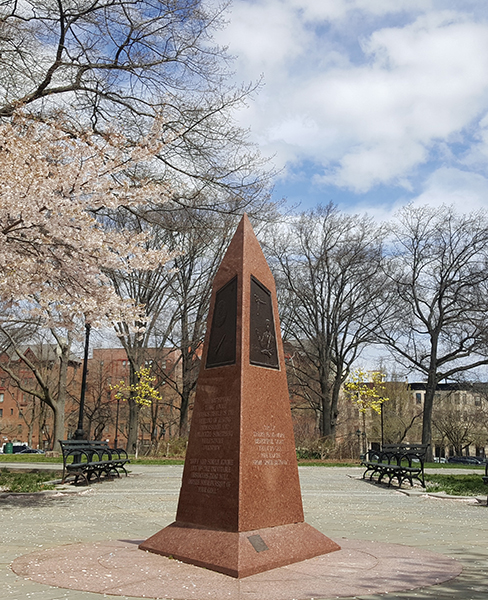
485,478
87,459
403,462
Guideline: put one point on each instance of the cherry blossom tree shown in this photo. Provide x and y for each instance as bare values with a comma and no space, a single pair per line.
55,252
125,61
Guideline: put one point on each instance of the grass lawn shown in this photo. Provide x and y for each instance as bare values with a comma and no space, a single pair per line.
11,481
29,458
41,458
453,466
456,485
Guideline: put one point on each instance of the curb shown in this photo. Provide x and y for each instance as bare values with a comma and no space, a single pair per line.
62,491
443,496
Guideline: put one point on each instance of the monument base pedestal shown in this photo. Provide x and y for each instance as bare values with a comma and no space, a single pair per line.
240,554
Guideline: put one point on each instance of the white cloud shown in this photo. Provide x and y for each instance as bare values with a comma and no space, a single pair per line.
452,186
370,106
263,36
334,10
446,186
424,85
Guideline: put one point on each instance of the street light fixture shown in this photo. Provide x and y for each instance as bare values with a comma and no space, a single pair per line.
358,433
79,433
116,441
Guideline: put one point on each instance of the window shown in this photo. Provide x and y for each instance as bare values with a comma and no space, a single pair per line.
418,398
19,428
21,414
477,401
2,397
11,411
1,413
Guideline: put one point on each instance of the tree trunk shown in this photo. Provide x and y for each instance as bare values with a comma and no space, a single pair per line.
334,412
60,403
185,401
427,414
187,365
134,409
58,426
326,429
135,362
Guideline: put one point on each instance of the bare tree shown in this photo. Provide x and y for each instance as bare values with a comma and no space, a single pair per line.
127,63
459,422
175,299
328,268
440,278
203,245
48,365
150,290
99,405
401,414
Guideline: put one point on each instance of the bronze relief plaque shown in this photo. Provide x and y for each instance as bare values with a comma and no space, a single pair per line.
222,344
263,350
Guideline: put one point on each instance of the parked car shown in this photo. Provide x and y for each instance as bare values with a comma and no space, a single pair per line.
466,460
440,459
18,448
28,450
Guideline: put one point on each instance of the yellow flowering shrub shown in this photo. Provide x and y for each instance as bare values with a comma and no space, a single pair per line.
367,389
143,392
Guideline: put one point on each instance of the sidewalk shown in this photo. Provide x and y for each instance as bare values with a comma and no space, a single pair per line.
335,501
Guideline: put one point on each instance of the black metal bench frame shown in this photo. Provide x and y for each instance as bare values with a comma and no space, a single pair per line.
485,479
87,459
403,462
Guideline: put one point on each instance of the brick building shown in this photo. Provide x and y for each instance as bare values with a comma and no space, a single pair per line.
460,425
24,418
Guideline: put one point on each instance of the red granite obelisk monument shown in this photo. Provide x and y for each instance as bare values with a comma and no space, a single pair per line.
240,508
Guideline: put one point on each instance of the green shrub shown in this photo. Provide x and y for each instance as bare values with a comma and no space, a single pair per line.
314,449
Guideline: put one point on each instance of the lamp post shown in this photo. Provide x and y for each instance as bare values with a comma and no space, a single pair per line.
358,433
79,433
116,441
382,426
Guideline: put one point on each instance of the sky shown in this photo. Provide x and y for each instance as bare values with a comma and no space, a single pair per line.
370,104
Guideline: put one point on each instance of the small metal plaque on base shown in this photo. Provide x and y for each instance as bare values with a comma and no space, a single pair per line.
258,543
